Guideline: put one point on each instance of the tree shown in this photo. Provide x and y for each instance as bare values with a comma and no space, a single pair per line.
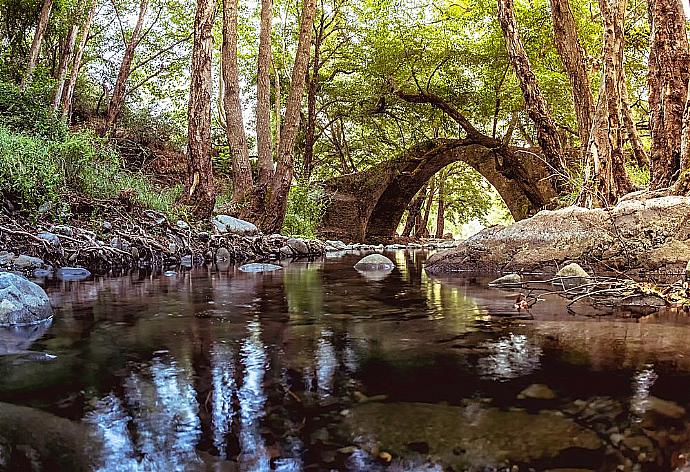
76,63
43,18
668,88
200,191
573,57
234,123
270,191
66,56
547,133
605,176
118,96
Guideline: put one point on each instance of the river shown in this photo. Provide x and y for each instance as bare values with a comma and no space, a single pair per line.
317,367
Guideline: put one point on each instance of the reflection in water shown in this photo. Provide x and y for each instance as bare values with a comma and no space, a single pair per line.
158,425
510,357
252,399
642,383
326,364
224,388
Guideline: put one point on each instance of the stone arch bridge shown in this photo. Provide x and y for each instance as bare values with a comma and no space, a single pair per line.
368,205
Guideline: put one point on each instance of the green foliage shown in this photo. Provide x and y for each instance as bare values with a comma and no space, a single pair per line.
639,175
29,112
306,205
34,171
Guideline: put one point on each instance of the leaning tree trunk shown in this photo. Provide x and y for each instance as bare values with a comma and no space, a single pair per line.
441,211
275,212
66,57
413,211
605,177
547,132
76,64
573,57
199,192
120,89
234,123
422,230
43,18
668,88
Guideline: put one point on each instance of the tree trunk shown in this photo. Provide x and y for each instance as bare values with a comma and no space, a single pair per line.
275,212
547,132
76,64
605,177
422,230
441,211
43,18
199,192
638,150
668,88
682,186
413,211
119,90
573,57
66,56
312,89
263,103
234,122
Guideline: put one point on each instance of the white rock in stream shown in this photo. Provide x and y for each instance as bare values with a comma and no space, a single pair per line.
258,267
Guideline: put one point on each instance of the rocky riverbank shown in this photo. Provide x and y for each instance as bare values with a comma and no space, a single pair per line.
120,242
635,235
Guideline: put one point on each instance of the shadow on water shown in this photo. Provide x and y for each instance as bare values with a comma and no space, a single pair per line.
317,367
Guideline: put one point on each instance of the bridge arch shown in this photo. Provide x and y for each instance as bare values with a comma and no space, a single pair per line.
368,205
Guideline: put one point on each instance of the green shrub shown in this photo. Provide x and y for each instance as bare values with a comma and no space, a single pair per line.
29,112
306,205
34,171
29,172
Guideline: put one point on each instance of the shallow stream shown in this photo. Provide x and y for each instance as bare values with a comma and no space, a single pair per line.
317,367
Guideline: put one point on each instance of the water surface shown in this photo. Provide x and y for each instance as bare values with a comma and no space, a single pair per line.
317,367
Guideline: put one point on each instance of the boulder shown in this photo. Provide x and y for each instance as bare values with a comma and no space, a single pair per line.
507,281
258,267
572,270
374,262
222,254
51,238
27,262
229,224
337,244
6,257
571,275
73,274
22,301
298,246
647,234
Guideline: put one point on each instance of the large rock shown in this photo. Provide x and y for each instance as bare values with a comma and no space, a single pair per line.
24,262
635,234
22,302
374,262
73,274
229,224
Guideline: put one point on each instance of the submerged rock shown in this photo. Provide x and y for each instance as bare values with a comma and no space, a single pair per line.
507,280
665,408
537,392
229,224
647,234
258,267
22,302
375,262
475,436
73,274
